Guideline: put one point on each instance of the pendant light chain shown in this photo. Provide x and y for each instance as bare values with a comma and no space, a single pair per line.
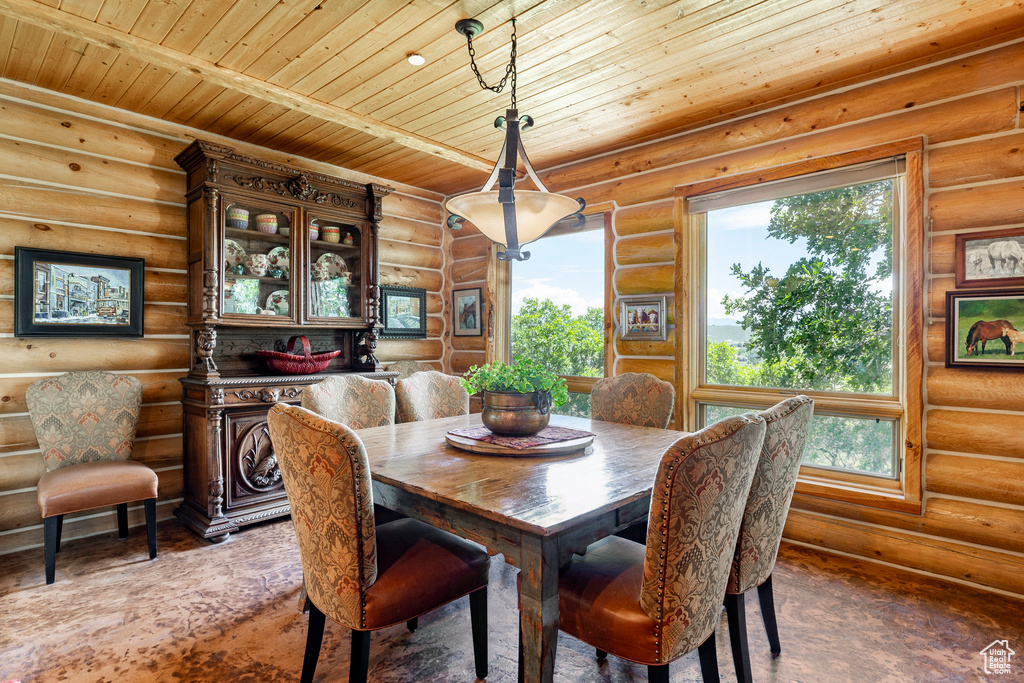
510,70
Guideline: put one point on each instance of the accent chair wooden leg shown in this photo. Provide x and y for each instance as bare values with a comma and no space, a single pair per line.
60,530
657,674
735,609
601,655
122,520
478,617
314,638
413,624
708,654
50,546
151,526
359,667
766,596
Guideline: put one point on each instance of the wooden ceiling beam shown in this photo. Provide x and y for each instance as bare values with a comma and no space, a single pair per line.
44,16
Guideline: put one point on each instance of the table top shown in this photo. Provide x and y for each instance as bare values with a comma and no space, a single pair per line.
540,495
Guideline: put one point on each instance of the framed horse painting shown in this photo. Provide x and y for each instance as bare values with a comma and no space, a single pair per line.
985,329
994,258
467,312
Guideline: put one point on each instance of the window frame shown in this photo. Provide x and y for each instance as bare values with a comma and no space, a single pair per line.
904,493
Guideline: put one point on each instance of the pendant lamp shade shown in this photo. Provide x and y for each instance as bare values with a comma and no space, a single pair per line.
536,213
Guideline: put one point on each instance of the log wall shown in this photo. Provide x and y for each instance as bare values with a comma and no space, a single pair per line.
967,110
88,178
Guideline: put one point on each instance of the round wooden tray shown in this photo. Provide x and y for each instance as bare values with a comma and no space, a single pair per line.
558,448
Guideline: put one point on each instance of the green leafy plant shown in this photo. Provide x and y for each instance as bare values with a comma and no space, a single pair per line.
524,375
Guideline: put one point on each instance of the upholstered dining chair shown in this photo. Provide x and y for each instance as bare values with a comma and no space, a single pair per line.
653,604
430,395
635,398
352,400
406,368
361,575
787,426
85,424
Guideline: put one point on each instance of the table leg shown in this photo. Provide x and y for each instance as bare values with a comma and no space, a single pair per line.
538,605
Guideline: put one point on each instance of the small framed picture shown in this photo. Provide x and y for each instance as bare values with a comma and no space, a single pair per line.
985,329
65,294
642,318
405,312
994,258
467,312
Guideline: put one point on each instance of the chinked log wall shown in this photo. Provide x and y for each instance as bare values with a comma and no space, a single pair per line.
82,177
968,112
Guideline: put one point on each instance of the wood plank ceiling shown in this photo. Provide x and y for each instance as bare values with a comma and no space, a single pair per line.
328,79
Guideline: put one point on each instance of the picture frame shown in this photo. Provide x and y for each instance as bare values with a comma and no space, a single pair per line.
466,313
643,318
994,258
404,312
69,294
985,329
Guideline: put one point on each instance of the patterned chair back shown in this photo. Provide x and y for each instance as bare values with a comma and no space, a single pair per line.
634,398
327,479
696,509
406,368
82,417
352,400
430,395
788,424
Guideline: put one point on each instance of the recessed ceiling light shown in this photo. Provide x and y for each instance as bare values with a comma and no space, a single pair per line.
416,59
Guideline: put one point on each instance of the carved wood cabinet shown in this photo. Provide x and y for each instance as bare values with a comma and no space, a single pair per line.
273,252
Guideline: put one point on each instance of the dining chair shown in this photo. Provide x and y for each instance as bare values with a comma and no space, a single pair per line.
406,368
361,575
430,395
85,424
353,400
787,426
654,603
635,398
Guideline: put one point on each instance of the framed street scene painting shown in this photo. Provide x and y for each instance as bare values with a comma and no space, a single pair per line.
642,318
405,312
65,294
994,258
985,329
466,312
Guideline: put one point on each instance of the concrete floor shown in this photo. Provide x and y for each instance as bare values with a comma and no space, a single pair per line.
228,612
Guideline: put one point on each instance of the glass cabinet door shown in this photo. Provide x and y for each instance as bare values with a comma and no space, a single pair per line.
335,269
257,259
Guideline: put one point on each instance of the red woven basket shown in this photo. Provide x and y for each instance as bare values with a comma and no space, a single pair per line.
293,364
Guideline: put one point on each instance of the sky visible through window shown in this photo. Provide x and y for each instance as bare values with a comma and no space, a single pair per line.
567,269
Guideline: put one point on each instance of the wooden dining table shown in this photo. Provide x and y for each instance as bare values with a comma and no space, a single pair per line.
535,511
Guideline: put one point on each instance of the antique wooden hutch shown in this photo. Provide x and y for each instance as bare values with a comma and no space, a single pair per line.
273,252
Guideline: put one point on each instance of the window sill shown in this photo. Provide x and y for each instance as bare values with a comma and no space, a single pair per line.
886,495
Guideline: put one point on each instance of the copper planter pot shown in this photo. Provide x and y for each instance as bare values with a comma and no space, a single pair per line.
510,413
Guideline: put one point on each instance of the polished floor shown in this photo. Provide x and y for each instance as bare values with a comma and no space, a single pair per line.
228,612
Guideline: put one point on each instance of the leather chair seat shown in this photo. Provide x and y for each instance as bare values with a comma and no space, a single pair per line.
94,484
420,568
599,601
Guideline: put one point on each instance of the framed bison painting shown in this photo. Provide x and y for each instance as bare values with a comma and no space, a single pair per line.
994,258
985,329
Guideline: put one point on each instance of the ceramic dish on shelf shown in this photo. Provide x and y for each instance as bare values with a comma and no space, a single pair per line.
280,257
278,302
233,253
335,264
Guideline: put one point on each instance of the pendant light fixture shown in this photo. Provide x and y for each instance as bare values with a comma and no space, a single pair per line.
509,216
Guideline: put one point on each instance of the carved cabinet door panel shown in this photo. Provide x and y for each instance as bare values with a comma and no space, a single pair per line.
252,473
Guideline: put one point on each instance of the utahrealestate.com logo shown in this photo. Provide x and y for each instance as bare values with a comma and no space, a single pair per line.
998,656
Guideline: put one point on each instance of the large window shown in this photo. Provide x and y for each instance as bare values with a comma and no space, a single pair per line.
801,287
558,309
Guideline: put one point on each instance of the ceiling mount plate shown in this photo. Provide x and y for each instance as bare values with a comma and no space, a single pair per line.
470,28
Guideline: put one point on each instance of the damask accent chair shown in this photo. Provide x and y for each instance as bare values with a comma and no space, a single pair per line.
361,575
634,398
352,400
85,424
406,368
430,395
653,604
788,424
